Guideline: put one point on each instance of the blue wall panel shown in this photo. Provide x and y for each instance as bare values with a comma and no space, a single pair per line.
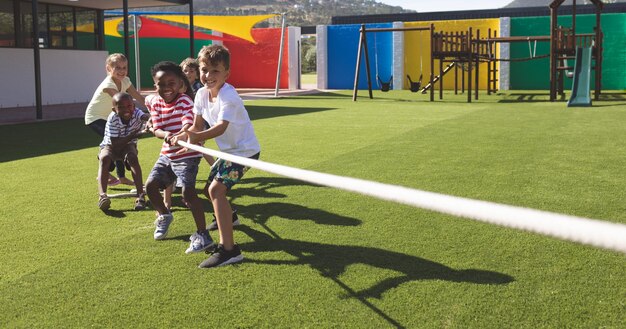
343,44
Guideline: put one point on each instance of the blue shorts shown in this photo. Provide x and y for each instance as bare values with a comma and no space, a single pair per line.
166,171
228,173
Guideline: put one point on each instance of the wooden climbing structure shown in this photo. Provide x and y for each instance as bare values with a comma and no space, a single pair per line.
564,43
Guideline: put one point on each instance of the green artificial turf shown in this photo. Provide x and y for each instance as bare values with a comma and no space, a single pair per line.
321,257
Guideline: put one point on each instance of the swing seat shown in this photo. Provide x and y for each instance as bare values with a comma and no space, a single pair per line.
414,86
385,86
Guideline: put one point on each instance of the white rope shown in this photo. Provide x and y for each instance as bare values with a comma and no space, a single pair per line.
577,229
123,195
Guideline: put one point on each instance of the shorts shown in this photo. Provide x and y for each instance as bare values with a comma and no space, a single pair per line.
228,173
119,153
98,126
166,171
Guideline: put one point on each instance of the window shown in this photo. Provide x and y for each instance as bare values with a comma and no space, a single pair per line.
26,25
86,36
61,27
7,24
62,30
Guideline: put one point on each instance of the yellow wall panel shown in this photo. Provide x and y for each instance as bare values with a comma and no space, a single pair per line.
417,49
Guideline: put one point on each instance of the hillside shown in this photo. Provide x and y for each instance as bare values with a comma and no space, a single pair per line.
298,12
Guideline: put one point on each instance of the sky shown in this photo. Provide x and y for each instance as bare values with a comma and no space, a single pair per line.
446,5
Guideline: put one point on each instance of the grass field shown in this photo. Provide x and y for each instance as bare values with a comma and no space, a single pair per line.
317,257
309,79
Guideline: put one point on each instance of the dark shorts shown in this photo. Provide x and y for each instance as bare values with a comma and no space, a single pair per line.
118,153
166,171
98,126
228,173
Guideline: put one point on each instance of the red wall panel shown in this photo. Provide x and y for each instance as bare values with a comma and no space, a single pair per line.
255,65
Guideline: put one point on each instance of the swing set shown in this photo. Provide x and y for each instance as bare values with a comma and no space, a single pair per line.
384,86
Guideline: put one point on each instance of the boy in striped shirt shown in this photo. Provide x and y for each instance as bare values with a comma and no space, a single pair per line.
172,114
122,128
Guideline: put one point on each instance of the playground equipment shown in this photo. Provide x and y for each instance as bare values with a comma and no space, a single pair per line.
363,49
489,56
454,49
463,48
565,44
386,85
466,50
415,86
582,78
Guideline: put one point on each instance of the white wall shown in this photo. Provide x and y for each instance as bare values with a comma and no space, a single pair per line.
18,77
70,76
294,34
398,56
322,56
505,52
67,76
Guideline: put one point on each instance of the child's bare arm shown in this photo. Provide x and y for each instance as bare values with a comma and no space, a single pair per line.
120,141
200,136
110,91
216,130
198,123
137,96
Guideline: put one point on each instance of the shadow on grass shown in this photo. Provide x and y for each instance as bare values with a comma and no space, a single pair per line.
22,141
28,140
528,97
261,213
115,213
321,95
258,112
542,96
332,261
260,187
617,99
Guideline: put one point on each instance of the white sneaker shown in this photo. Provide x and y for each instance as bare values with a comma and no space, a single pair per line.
199,242
162,223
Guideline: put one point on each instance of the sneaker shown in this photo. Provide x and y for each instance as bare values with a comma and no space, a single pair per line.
162,223
213,225
199,242
221,257
140,202
104,203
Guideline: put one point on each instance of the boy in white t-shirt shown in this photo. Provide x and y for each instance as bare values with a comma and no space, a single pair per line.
219,104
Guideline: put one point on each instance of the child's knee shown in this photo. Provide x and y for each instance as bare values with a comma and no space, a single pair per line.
216,189
106,160
132,160
152,184
189,192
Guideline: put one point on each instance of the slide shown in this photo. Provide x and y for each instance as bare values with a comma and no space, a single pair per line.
582,79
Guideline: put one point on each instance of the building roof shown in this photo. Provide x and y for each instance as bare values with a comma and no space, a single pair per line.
115,4
529,8
546,3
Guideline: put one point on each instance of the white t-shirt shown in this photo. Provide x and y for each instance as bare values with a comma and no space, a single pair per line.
101,104
239,138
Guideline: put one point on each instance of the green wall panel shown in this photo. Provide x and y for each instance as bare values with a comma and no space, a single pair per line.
535,74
